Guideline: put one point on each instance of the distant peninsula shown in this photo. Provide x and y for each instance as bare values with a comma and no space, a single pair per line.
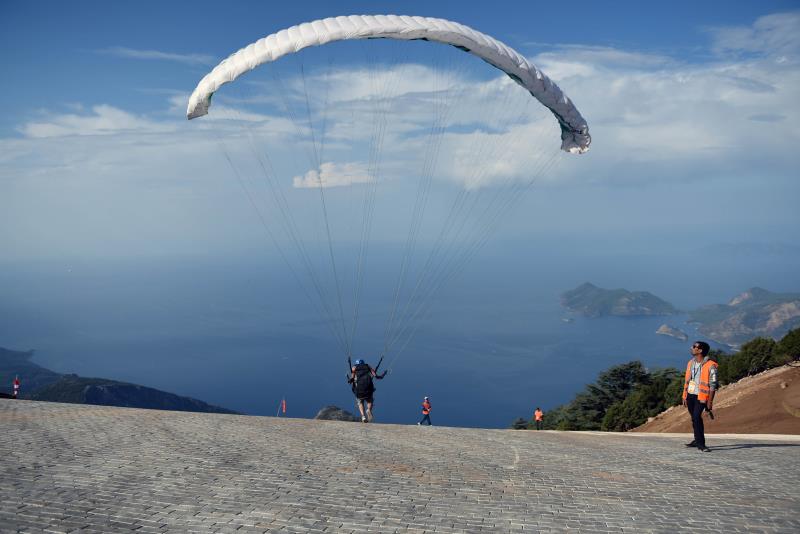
592,301
39,383
671,331
756,312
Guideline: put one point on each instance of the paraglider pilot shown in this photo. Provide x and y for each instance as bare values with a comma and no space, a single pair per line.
360,379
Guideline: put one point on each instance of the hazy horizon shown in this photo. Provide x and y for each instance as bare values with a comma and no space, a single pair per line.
229,332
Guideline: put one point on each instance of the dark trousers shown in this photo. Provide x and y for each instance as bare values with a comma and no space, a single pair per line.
696,408
538,425
426,417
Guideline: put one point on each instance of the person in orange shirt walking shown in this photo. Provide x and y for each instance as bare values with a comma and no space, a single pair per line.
538,417
426,411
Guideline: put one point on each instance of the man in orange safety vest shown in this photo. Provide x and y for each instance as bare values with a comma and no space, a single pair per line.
699,386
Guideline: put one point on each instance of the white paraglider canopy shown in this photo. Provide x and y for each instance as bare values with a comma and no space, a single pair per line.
574,130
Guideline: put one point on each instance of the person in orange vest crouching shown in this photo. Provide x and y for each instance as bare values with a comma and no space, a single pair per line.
698,390
538,417
426,411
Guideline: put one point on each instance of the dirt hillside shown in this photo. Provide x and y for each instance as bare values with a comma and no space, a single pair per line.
766,403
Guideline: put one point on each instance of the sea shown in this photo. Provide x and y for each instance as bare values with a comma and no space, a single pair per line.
239,331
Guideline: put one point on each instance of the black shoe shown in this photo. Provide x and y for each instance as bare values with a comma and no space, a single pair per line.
692,444
703,449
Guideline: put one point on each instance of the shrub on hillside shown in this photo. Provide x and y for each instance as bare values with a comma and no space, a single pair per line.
788,349
520,424
587,410
557,419
673,393
644,402
754,357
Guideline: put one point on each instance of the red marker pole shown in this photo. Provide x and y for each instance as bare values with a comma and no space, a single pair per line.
16,386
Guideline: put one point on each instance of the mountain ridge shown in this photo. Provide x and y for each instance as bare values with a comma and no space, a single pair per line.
40,383
754,312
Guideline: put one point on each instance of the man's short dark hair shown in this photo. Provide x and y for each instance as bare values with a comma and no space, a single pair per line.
703,346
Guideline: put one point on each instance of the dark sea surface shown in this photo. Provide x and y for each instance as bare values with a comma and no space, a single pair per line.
239,332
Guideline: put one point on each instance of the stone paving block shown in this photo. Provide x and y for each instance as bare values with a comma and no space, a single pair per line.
102,469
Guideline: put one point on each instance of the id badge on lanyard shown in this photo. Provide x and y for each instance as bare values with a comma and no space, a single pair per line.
692,389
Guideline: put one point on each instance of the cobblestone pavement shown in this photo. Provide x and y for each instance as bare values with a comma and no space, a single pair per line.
71,468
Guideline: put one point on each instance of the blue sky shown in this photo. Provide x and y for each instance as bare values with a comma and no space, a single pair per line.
684,100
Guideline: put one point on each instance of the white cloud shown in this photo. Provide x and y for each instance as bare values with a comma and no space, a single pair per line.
773,35
605,55
390,83
179,102
333,175
491,130
189,59
102,120
699,118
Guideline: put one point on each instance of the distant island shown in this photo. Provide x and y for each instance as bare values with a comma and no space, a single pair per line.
592,301
756,312
671,331
43,384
